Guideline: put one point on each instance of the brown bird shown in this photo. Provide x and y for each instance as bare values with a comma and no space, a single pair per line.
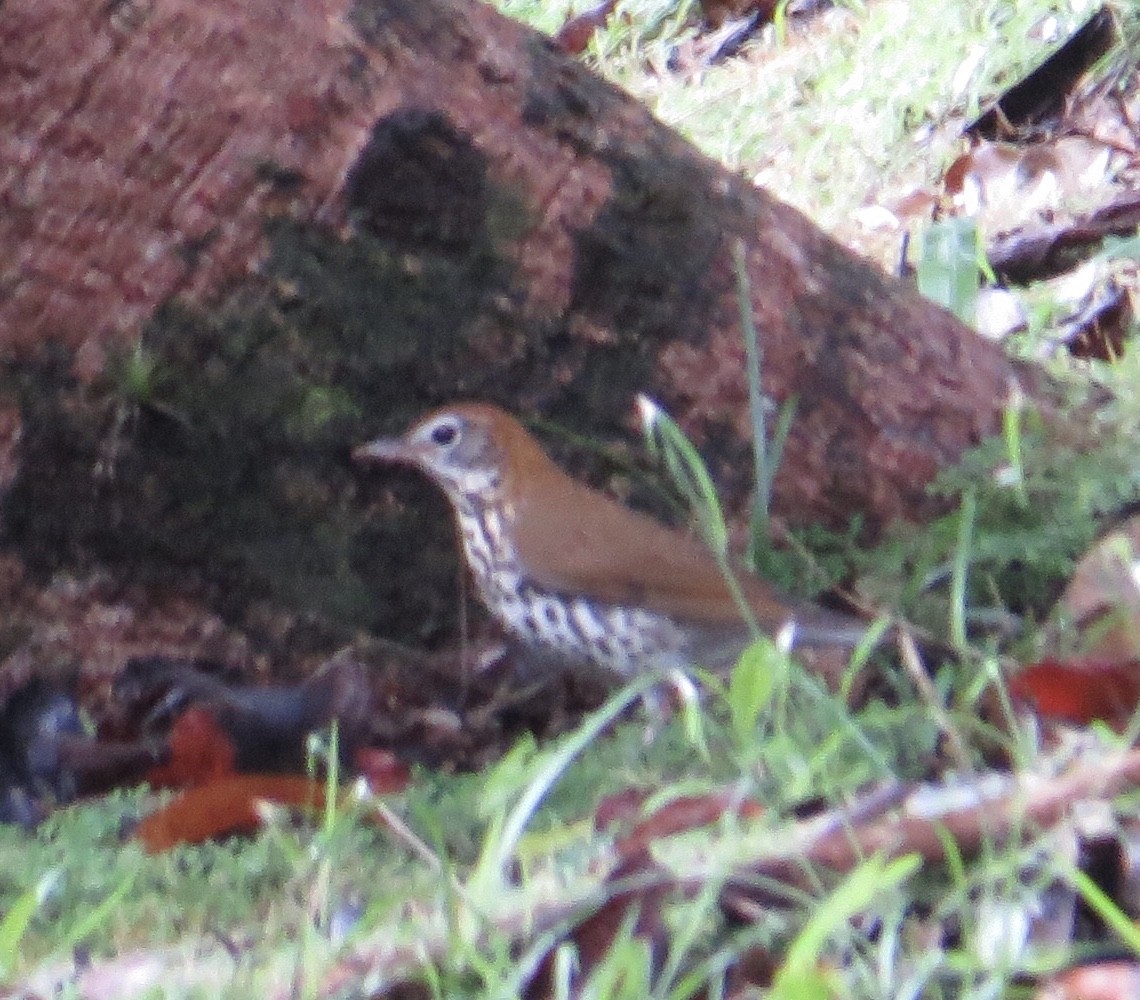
572,572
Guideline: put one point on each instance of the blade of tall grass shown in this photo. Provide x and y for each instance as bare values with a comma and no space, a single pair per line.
14,925
799,976
549,765
960,574
767,451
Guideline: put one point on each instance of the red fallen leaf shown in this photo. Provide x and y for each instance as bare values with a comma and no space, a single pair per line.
226,806
383,770
686,812
1112,980
1080,691
200,752
575,34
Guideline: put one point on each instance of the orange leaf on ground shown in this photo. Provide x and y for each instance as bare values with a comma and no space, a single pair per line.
200,752
226,806
382,769
1080,691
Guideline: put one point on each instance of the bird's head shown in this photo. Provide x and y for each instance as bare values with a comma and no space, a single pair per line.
468,448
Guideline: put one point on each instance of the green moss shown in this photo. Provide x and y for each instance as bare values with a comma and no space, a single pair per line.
1028,531
223,442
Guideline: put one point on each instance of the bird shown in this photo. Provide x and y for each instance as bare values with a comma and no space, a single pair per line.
577,576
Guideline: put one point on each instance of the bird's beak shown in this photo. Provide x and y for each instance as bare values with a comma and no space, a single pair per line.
384,450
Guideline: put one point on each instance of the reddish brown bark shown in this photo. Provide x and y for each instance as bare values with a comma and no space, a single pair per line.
146,143
139,149
404,201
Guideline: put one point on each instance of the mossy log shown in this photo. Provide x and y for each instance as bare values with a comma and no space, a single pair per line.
241,236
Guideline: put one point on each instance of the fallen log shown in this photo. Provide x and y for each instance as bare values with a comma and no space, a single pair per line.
241,239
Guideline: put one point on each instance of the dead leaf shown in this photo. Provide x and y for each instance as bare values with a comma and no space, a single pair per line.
223,808
686,812
638,888
575,34
1080,691
1101,604
716,12
1007,186
1114,980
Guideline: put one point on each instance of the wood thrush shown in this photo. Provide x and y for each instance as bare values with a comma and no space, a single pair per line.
575,574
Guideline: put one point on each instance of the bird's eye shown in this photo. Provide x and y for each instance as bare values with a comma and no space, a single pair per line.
444,434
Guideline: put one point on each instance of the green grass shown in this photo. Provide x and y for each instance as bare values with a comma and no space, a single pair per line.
864,101
265,895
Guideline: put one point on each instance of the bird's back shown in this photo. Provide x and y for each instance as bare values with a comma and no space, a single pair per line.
622,557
